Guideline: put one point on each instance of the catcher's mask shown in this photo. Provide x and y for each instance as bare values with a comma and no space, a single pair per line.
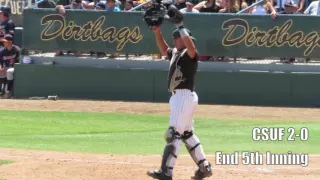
176,34
154,15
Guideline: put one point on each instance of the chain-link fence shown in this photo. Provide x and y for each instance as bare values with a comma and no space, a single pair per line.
156,57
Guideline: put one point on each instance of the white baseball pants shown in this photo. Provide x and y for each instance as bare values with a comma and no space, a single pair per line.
183,104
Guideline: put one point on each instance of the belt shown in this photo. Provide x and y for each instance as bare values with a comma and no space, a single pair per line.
175,91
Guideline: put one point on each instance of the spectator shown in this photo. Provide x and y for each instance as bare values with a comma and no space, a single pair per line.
138,2
100,6
9,55
7,26
264,8
89,4
46,4
244,5
289,8
313,9
210,6
111,6
189,8
135,2
118,3
232,6
75,4
298,4
249,2
93,5
301,6
129,5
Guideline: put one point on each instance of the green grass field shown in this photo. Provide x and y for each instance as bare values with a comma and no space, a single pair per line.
138,134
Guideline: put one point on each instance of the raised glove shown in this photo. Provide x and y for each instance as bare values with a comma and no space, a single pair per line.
174,16
154,15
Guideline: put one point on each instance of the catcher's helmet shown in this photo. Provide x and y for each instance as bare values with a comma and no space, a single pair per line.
6,10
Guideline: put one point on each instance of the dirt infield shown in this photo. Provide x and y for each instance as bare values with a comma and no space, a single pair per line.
46,165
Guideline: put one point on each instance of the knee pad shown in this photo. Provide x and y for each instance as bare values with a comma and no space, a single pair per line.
171,134
186,135
171,150
10,72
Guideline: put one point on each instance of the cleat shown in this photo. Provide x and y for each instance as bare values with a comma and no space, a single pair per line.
198,175
158,174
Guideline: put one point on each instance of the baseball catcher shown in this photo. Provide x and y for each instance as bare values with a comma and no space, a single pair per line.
181,83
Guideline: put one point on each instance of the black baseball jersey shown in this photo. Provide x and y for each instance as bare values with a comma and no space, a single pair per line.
9,57
7,27
182,70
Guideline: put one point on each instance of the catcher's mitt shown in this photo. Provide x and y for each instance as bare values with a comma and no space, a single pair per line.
154,15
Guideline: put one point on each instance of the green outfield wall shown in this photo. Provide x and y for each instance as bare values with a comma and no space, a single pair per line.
239,88
217,34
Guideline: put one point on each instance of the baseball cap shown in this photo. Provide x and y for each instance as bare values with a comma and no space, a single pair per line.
176,34
101,5
6,38
5,10
289,3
